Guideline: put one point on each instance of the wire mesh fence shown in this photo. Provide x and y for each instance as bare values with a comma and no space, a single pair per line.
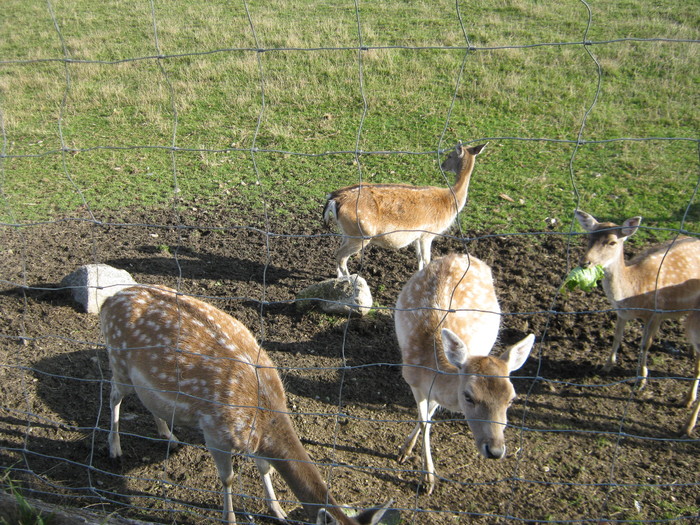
192,145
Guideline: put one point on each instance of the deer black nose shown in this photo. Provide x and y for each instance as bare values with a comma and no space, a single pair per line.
585,263
494,452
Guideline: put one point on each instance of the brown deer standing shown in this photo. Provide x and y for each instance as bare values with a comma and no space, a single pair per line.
661,283
396,215
447,319
194,365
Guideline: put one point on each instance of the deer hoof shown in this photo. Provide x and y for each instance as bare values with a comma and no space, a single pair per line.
689,401
428,483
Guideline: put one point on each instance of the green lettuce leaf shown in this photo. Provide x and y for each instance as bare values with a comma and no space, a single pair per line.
584,278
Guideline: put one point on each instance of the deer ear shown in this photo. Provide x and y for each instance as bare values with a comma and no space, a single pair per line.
475,150
630,226
517,354
323,518
586,221
460,150
368,517
455,349
375,515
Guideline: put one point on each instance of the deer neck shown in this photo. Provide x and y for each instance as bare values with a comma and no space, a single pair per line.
461,185
619,280
445,388
284,451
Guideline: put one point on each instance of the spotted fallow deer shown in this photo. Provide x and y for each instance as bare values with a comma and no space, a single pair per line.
447,319
396,215
192,364
661,283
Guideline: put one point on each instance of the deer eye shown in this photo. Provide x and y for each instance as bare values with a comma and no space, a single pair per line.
612,243
468,398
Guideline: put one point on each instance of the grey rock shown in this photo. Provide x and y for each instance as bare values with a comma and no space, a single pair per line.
341,296
92,284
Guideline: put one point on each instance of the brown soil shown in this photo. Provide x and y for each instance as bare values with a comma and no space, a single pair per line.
583,446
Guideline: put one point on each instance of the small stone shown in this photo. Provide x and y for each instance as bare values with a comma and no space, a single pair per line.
340,296
92,284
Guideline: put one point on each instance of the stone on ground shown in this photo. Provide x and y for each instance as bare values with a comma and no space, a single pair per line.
341,296
92,284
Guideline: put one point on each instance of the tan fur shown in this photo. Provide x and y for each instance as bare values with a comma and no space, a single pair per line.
192,364
396,215
447,319
661,283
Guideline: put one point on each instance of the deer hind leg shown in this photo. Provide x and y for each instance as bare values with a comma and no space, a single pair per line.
115,400
165,432
410,442
692,330
650,329
692,419
222,459
692,394
265,470
423,245
617,340
412,438
348,247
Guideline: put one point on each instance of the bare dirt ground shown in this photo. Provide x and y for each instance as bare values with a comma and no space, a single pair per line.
583,446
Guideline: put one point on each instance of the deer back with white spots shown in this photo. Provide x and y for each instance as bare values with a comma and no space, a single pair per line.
447,319
661,283
396,215
192,364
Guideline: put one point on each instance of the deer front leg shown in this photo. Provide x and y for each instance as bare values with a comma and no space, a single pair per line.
349,247
617,340
426,409
265,470
419,255
428,467
650,329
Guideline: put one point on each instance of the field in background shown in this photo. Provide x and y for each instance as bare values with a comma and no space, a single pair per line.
271,102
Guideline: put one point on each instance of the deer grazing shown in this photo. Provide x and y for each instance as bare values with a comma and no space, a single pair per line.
396,215
661,283
192,364
447,319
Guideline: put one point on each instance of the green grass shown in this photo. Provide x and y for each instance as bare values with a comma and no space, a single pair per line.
215,97
670,510
26,514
